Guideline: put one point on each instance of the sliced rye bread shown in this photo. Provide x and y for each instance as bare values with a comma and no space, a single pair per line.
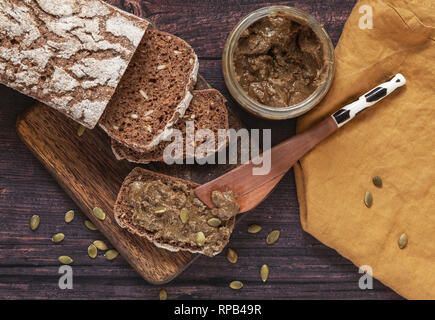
207,110
124,216
69,55
154,92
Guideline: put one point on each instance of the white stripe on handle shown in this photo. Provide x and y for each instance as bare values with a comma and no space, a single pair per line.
348,112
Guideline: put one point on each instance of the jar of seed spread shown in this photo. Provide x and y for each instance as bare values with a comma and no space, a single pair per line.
278,62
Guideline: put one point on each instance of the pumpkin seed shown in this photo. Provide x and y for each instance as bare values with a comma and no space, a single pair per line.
111,254
99,213
377,181
92,251
58,237
90,225
403,241
159,209
236,285
273,237
200,238
100,245
184,215
214,222
65,260
163,295
34,222
80,130
254,228
368,199
264,272
232,255
69,216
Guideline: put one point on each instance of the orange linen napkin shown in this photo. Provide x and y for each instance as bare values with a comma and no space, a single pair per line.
394,139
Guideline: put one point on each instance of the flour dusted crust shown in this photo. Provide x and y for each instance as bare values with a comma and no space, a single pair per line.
207,111
154,92
123,216
68,54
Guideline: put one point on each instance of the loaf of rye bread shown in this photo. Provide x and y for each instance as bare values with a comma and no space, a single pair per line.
154,92
207,111
124,216
68,54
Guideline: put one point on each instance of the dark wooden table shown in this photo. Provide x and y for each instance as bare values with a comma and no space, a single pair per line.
300,266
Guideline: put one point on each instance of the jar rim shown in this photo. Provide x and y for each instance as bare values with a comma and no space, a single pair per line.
251,104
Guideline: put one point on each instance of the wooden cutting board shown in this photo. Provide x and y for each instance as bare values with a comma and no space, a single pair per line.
89,173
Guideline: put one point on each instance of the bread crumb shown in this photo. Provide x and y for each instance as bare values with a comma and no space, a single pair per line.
134,116
143,94
161,67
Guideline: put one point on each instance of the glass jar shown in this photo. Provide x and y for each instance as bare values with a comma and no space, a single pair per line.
251,104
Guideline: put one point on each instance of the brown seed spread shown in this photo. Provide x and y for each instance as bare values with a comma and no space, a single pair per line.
159,208
226,204
279,62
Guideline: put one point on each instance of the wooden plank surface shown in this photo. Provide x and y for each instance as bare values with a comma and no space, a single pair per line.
301,267
87,170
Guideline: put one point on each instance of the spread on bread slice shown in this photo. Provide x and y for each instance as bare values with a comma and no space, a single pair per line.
165,211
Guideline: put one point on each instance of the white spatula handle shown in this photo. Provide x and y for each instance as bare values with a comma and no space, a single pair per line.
345,114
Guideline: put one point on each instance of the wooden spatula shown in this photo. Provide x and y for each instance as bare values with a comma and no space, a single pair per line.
252,189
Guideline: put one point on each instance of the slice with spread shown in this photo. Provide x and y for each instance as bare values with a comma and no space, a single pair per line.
165,211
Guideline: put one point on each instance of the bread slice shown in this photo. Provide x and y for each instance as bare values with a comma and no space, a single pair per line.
124,217
207,110
154,92
69,55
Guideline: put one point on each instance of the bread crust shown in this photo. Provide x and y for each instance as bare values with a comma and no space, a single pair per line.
68,54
